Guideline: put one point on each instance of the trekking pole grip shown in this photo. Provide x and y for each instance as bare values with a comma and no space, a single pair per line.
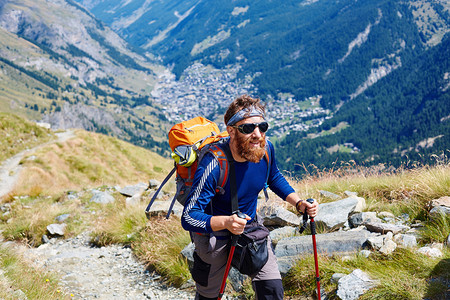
312,223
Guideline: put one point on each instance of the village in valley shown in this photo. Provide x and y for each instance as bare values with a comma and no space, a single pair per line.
206,91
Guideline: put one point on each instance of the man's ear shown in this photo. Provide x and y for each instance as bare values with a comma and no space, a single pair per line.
231,131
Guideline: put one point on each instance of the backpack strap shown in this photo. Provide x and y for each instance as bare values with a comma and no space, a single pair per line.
268,157
233,185
147,210
221,157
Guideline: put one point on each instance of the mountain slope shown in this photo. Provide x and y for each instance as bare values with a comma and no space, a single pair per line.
369,62
307,48
404,118
61,65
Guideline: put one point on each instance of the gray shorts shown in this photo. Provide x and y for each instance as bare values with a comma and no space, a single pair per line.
214,255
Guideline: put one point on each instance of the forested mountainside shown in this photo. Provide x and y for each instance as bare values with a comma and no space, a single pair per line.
60,65
380,67
405,118
363,80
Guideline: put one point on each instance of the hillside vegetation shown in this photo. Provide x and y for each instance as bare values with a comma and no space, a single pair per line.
87,160
62,176
18,134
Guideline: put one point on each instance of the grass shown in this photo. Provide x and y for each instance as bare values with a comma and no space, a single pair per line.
437,229
18,134
18,277
30,217
86,161
399,191
160,244
413,275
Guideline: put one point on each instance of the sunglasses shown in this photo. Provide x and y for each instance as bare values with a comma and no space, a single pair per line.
248,128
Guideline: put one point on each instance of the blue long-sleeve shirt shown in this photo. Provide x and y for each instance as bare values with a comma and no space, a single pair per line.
203,202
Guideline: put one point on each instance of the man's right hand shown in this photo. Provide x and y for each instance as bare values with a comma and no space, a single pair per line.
233,223
236,224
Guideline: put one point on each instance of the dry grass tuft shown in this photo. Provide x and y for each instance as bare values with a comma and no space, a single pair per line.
160,244
19,278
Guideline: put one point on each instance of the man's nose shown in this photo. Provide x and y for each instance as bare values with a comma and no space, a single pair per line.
256,132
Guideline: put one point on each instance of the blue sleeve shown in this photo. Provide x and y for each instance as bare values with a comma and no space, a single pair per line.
277,182
194,217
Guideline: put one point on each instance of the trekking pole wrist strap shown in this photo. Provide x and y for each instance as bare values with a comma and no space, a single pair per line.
297,206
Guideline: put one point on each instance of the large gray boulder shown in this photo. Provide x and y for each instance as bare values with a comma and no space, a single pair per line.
334,214
290,249
278,216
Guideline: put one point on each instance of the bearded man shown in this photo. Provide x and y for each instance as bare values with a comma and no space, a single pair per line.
208,215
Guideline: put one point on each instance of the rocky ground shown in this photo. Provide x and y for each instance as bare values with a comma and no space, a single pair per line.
110,272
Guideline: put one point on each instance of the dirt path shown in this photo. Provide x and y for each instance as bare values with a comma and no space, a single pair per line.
10,169
101,273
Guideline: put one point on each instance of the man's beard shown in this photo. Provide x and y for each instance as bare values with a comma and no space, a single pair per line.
248,152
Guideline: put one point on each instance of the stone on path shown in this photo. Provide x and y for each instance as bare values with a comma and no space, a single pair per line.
352,286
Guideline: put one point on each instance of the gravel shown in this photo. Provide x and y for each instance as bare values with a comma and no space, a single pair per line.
110,272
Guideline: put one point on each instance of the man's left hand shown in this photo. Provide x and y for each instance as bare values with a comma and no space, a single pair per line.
311,208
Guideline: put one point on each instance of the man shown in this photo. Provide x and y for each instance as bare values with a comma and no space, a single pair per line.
208,215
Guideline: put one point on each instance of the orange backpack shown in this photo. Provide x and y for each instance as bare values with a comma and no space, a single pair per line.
189,141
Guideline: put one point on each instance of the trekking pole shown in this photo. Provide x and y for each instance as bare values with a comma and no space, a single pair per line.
234,240
313,234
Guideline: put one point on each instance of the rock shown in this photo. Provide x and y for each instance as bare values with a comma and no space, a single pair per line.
288,250
236,279
162,207
388,247
430,252
351,194
101,197
336,276
360,218
278,216
440,206
283,232
385,227
334,214
405,240
62,218
188,252
19,295
153,184
132,190
45,239
56,229
330,195
365,253
375,242
352,286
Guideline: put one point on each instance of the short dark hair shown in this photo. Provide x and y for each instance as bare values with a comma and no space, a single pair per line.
241,103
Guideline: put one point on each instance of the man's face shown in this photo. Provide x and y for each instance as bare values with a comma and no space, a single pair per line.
250,146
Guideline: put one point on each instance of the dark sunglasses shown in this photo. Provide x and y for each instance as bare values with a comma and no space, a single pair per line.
248,128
